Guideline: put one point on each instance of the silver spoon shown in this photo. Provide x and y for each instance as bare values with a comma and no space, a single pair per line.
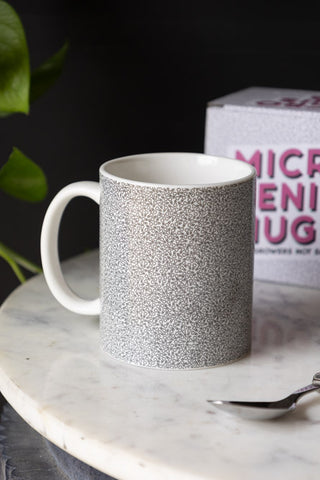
267,410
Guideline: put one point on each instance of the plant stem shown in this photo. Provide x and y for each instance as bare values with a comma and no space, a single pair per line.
14,259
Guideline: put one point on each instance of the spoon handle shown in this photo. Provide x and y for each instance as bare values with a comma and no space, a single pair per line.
306,389
316,379
315,385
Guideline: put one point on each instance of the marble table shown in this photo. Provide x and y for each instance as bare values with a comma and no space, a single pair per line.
27,455
137,423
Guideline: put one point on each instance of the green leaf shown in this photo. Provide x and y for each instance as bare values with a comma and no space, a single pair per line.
46,75
13,264
21,178
14,63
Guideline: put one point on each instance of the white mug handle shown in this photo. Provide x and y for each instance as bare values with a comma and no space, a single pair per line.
49,248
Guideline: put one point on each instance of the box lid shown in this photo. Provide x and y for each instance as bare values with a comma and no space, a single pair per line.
271,98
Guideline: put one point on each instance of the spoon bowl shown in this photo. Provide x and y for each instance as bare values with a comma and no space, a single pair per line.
251,410
267,410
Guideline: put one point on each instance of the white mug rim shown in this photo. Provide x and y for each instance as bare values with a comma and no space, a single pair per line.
243,179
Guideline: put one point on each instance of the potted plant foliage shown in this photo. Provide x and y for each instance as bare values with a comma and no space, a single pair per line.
21,177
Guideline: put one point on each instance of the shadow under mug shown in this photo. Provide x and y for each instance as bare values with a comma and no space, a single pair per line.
176,258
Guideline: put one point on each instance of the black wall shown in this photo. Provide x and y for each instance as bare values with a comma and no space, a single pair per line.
137,79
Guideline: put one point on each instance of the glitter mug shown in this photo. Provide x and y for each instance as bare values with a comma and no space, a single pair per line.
176,258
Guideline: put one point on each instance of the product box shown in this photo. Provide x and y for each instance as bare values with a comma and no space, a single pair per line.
278,132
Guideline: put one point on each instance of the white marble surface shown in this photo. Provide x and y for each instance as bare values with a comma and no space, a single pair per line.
136,423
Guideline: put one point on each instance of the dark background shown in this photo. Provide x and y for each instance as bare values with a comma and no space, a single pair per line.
137,79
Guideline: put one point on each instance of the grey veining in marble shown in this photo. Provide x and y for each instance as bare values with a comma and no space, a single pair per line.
137,423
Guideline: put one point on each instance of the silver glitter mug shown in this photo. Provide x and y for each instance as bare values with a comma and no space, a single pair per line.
176,258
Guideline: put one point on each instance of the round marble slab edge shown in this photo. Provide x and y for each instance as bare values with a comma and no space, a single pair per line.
136,423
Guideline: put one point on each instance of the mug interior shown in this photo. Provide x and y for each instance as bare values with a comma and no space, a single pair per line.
178,169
